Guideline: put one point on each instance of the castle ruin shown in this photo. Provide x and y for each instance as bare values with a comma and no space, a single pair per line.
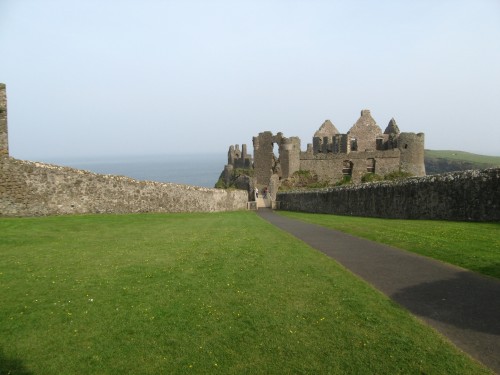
332,155
34,189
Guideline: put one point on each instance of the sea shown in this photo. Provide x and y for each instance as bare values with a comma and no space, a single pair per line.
197,170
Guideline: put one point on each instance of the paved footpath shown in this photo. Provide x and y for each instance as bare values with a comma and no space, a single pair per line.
461,305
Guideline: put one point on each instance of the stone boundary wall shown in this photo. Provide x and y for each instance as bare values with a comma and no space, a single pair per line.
37,189
463,196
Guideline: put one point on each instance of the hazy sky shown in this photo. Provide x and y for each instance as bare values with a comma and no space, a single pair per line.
121,77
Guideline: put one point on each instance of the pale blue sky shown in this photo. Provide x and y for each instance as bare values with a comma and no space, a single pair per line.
88,78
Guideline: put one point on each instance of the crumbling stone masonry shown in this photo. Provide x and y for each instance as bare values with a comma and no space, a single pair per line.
333,156
4,142
37,189
33,189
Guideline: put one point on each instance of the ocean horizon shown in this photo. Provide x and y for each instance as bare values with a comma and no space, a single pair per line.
197,170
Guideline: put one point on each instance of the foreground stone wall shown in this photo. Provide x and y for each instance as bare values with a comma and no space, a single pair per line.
34,189
464,196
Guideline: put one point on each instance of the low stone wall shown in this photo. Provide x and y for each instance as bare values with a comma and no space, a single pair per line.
35,189
463,196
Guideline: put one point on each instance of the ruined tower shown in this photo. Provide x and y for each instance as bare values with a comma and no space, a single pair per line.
237,158
263,157
289,156
411,146
4,139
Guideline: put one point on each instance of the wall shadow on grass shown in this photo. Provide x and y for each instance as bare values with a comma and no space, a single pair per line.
12,366
492,270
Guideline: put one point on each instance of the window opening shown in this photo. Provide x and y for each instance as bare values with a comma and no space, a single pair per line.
370,165
347,168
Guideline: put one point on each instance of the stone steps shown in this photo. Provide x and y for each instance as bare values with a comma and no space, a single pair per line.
263,202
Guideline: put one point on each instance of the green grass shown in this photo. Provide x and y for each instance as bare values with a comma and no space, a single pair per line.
463,156
195,294
442,161
474,246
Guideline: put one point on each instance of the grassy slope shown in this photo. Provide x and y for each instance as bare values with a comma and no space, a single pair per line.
475,246
447,161
195,294
463,156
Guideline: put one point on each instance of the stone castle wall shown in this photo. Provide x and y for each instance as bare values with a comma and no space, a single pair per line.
331,166
463,196
4,141
35,189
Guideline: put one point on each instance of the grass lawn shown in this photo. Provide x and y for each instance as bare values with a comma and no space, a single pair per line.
195,294
463,156
474,246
